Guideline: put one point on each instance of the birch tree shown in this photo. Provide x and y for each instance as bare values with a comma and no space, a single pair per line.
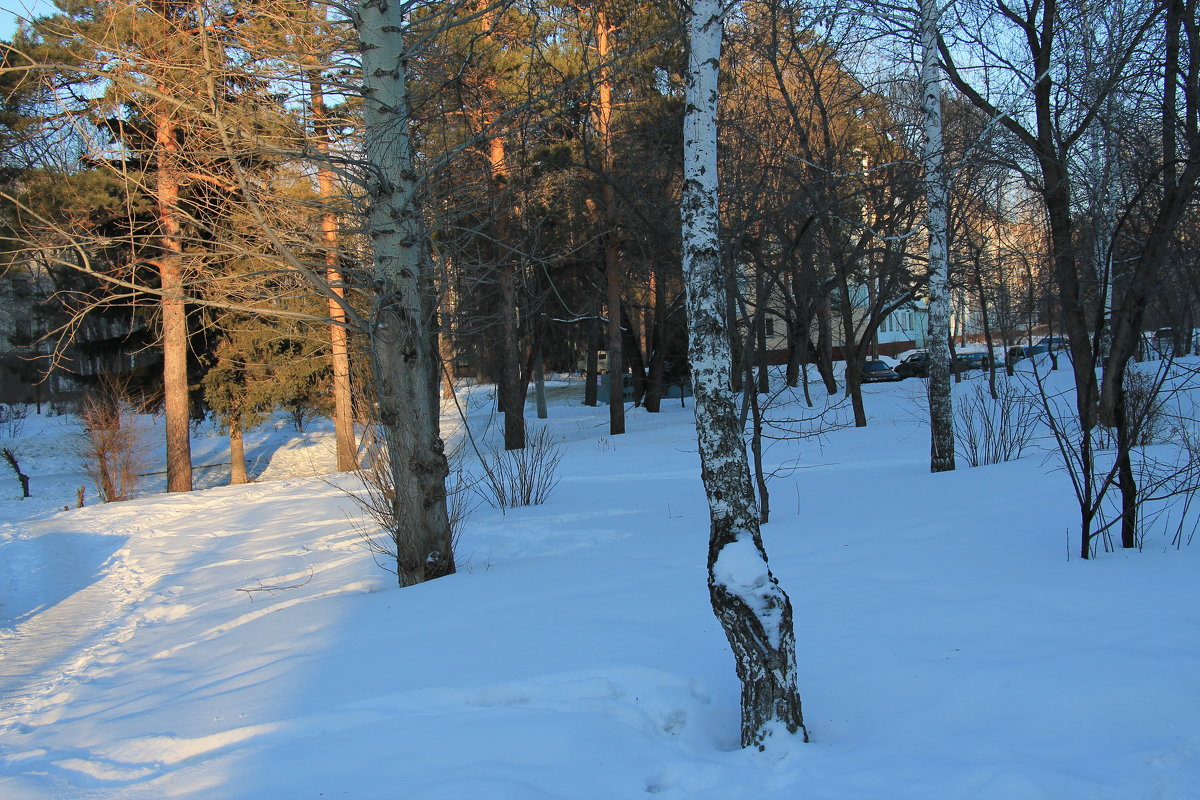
753,608
941,417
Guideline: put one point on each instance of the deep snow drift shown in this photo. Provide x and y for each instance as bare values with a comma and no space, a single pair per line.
239,642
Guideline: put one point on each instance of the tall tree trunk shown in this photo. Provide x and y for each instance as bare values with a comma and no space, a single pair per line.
174,312
825,344
512,384
853,353
401,341
658,356
539,385
761,300
446,356
512,388
339,331
941,416
612,255
1126,480
791,374
631,342
590,372
754,611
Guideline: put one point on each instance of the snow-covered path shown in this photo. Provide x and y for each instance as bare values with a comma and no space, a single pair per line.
106,609
62,589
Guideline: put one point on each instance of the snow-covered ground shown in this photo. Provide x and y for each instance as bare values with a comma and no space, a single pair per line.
239,642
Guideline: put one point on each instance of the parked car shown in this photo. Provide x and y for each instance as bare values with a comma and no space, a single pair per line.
914,365
876,371
601,363
1046,344
1165,340
965,362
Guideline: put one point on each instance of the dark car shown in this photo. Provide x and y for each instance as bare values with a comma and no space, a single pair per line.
1163,341
1057,344
965,362
914,365
876,371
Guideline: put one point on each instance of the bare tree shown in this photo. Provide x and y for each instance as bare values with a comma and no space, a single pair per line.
1050,72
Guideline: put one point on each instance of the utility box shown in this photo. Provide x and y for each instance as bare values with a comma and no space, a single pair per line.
675,389
604,389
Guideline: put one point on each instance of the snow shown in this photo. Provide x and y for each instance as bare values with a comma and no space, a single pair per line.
239,642
739,567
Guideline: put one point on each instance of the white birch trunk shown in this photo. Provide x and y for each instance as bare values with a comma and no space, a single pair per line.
941,417
401,329
754,611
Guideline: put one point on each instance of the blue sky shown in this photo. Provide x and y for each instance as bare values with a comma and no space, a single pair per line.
11,9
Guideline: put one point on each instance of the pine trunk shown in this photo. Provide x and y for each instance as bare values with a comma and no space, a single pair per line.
172,306
339,332
754,611
237,456
612,266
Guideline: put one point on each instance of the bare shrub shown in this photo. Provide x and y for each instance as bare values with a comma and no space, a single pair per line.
991,430
1145,406
1145,410
1168,477
378,499
113,452
523,477
12,420
12,428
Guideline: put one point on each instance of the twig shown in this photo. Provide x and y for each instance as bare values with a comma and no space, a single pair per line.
273,589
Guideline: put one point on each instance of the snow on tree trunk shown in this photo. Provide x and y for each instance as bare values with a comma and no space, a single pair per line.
401,330
754,611
941,418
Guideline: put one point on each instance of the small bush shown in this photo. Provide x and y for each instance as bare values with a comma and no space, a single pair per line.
113,453
12,420
378,501
1144,408
991,430
1145,413
524,477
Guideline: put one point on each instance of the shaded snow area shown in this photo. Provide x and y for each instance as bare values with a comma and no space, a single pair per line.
239,643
